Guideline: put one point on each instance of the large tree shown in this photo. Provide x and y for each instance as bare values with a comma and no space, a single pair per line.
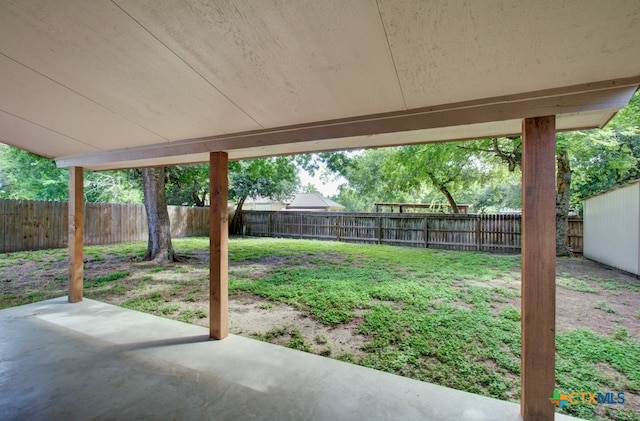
159,247
448,167
563,195
603,159
272,178
509,151
367,181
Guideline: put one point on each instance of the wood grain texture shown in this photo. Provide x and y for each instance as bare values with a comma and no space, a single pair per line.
538,268
218,244
76,233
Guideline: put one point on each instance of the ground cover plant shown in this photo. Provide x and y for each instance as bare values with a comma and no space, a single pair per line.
447,317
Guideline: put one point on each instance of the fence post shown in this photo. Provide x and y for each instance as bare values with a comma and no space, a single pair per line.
426,232
479,232
300,224
379,228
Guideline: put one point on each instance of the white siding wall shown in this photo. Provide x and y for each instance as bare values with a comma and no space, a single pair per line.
612,228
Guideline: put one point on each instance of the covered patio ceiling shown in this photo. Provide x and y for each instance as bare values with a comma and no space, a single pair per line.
131,83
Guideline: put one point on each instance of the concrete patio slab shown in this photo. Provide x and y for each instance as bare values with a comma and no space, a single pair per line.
91,360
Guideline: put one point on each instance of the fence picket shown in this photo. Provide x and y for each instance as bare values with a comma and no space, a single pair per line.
35,225
492,233
40,225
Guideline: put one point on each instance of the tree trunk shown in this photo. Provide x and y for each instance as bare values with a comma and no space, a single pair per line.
563,194
197,199
442,187
236,222
159,248
452,203
513,158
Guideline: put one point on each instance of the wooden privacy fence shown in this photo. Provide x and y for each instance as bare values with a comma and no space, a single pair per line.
37,225
494,233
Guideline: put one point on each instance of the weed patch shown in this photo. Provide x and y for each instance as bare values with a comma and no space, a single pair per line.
587,361
602,305
291,337
575,284
108,278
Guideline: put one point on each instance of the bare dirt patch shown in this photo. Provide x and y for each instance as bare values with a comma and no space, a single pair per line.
615,305
251,316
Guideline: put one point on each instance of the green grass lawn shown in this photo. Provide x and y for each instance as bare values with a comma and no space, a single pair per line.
446,317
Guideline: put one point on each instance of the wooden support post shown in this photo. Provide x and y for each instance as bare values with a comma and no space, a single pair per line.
538,268
76,233
218,246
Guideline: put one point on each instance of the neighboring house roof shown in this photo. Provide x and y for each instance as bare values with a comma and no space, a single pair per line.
312,201
264,200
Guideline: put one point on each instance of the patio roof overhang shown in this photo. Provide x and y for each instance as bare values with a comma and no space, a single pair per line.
132,83
128,83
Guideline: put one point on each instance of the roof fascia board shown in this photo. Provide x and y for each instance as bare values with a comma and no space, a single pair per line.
611,94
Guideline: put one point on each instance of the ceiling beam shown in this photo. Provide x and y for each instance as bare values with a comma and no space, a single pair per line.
613,94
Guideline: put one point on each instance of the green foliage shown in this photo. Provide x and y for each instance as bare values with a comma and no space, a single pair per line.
575,284
153,302
502,150
602,305
587,361
510,313
364,187
428,174
24,175
189,315
291,337
309,188
187,185
108,278
602,159
273,178
411,301
121,186
502,192
444,165
334,162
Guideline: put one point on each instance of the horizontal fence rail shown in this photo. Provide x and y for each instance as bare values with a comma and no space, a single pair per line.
38,225
493,233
